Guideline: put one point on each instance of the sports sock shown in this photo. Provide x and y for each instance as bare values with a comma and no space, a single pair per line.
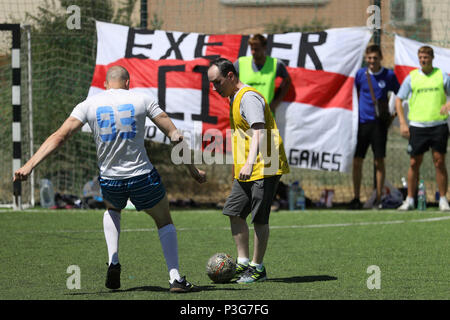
443,200
243,261
410,200
111,228
169,244
259,267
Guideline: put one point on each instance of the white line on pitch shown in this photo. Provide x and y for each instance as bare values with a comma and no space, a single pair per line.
361,223
326,225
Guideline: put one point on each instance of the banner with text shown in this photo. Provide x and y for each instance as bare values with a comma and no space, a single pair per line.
317,120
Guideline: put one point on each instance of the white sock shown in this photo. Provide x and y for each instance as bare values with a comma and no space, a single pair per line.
410,200
169,244
258,267
243,261
111,228
443,200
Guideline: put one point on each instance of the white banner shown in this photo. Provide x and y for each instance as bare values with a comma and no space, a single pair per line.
318,118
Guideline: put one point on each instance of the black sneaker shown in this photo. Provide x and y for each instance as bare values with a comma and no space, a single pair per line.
113,276
355,204
181,286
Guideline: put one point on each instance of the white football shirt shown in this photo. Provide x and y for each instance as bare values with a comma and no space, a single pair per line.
117,120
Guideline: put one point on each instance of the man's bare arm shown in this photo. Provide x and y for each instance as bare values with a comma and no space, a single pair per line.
165,124
255,145
52,143
404,129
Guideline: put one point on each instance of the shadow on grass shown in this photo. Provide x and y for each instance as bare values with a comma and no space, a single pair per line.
300,279
155,289
196,289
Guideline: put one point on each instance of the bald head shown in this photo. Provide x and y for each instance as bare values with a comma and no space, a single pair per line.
117,77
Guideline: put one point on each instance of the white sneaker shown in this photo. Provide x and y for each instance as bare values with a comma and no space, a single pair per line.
443,205
406,205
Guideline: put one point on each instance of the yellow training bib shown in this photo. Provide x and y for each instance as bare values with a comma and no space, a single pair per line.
271,159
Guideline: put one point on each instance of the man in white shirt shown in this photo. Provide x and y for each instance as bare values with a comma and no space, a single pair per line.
117,120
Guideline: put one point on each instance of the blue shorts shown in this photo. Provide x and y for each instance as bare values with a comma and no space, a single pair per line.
144,191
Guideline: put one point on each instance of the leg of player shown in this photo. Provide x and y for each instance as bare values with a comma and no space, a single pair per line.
260,242
413,176
441,179
380,173
356,176
169,243
263,192
256,270
240,233
111,228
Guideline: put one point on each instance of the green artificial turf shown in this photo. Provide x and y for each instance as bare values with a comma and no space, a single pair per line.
312,255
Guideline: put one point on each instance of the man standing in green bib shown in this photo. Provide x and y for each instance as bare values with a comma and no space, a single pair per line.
260,71
428,127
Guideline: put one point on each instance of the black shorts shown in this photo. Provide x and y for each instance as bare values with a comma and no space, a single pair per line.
374,134
422,139
253,196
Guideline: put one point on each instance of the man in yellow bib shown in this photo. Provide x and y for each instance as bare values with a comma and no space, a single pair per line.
260,71
428,126
259,161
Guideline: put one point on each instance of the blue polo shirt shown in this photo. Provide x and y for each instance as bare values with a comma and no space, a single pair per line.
382,82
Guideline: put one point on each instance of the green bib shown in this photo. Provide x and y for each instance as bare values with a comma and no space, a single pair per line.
428,96
263,80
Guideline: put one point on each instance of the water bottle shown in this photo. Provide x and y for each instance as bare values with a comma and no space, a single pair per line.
404,183
293,191
301,202
421,197
47,194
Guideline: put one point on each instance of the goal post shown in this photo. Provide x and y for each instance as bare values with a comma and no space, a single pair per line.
16,109
18,202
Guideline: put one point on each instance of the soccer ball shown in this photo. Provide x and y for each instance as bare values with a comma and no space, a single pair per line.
221,268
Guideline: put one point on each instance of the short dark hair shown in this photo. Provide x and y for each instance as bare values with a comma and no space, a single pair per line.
224,66
258,38
374,48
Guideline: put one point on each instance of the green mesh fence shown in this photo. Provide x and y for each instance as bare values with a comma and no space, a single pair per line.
63,61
